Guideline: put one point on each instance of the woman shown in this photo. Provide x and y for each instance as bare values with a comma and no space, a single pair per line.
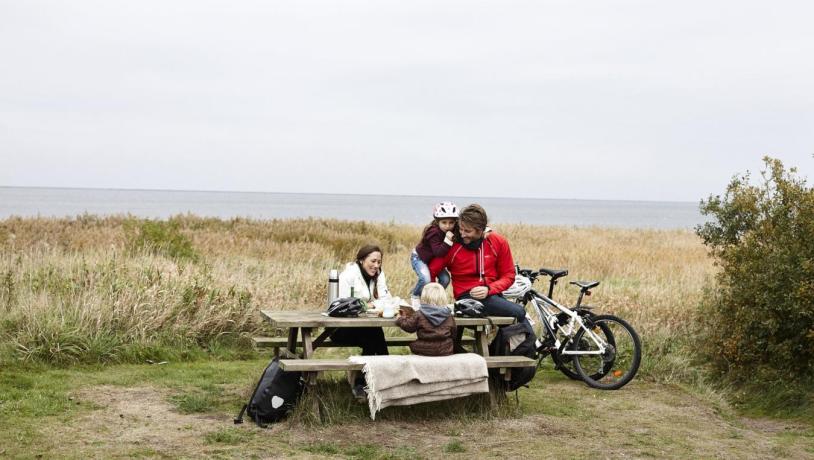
365,280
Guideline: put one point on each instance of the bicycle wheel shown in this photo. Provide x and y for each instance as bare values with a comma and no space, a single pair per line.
620,361
565,363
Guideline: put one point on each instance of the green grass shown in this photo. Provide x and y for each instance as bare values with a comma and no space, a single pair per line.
194,403
454,447
229,436
322,448
781,400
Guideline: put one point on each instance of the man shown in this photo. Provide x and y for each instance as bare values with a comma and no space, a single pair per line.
481,265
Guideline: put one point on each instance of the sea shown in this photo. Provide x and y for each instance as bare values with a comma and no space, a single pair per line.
417,210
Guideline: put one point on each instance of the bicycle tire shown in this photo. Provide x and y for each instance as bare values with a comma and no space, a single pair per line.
567,367
625,354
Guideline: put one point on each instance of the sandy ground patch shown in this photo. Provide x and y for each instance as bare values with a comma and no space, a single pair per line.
134,421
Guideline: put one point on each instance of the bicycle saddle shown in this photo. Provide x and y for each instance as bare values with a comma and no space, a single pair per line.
553,272
585,285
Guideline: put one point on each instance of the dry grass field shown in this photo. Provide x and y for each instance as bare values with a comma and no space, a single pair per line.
115,289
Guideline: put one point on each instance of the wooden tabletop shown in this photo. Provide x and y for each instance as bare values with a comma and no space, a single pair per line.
291,318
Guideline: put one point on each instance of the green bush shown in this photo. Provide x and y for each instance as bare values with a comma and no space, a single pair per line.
757,325
160,237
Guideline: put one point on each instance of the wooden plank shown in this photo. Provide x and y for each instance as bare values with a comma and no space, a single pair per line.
293,318
509,361
276,342
326,334
316,365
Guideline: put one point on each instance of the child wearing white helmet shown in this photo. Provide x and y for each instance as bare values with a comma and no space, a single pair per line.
427,258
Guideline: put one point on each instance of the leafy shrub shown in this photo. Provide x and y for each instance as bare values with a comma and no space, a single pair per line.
160,237
758,323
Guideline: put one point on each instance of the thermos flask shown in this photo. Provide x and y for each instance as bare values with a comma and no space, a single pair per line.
333,286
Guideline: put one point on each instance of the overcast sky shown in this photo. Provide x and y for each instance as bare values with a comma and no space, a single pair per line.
598,99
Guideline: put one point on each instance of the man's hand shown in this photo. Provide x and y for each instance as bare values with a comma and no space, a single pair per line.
479,292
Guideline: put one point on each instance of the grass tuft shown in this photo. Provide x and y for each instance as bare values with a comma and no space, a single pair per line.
229,436
454,447
194,403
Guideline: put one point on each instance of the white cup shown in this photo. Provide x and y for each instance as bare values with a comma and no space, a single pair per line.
389,310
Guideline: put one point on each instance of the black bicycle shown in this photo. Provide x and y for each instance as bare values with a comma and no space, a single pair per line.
604,351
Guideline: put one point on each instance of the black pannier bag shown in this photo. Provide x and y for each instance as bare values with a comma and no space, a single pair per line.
525,346
274,396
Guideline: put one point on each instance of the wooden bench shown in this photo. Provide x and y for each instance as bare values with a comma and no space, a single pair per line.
313,366
277,343
319,365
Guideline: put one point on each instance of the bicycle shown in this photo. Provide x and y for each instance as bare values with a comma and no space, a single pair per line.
604,350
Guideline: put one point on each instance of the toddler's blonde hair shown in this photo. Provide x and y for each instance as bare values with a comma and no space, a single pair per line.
434,294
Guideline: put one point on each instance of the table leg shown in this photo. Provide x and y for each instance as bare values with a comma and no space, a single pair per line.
307,343
481,344
292,339
311,377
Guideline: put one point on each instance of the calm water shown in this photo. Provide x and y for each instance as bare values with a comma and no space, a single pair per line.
18,201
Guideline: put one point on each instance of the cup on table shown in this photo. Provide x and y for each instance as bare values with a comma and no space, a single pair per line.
389,310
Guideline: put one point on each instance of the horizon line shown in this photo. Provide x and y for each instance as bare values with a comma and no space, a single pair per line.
334,194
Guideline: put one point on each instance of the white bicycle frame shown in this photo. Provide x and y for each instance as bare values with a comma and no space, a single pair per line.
550,320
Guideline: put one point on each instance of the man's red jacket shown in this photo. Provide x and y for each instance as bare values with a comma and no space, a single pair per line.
491,265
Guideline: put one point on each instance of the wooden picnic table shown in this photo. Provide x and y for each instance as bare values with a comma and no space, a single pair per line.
304,323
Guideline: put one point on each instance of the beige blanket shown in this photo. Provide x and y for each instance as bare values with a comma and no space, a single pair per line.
400,380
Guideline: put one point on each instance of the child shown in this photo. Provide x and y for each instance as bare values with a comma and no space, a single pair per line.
427,258
433,323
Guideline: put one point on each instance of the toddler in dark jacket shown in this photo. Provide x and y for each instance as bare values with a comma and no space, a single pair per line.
433,323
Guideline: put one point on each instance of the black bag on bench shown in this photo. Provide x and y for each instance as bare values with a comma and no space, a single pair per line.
274,396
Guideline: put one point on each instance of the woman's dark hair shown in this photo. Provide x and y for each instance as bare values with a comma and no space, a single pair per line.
474,215
365,251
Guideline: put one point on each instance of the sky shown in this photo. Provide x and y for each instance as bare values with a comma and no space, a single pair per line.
589,99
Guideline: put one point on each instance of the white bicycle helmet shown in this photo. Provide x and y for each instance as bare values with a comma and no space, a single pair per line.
519,288
445,210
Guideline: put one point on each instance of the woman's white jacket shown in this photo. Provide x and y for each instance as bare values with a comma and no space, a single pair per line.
352,276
